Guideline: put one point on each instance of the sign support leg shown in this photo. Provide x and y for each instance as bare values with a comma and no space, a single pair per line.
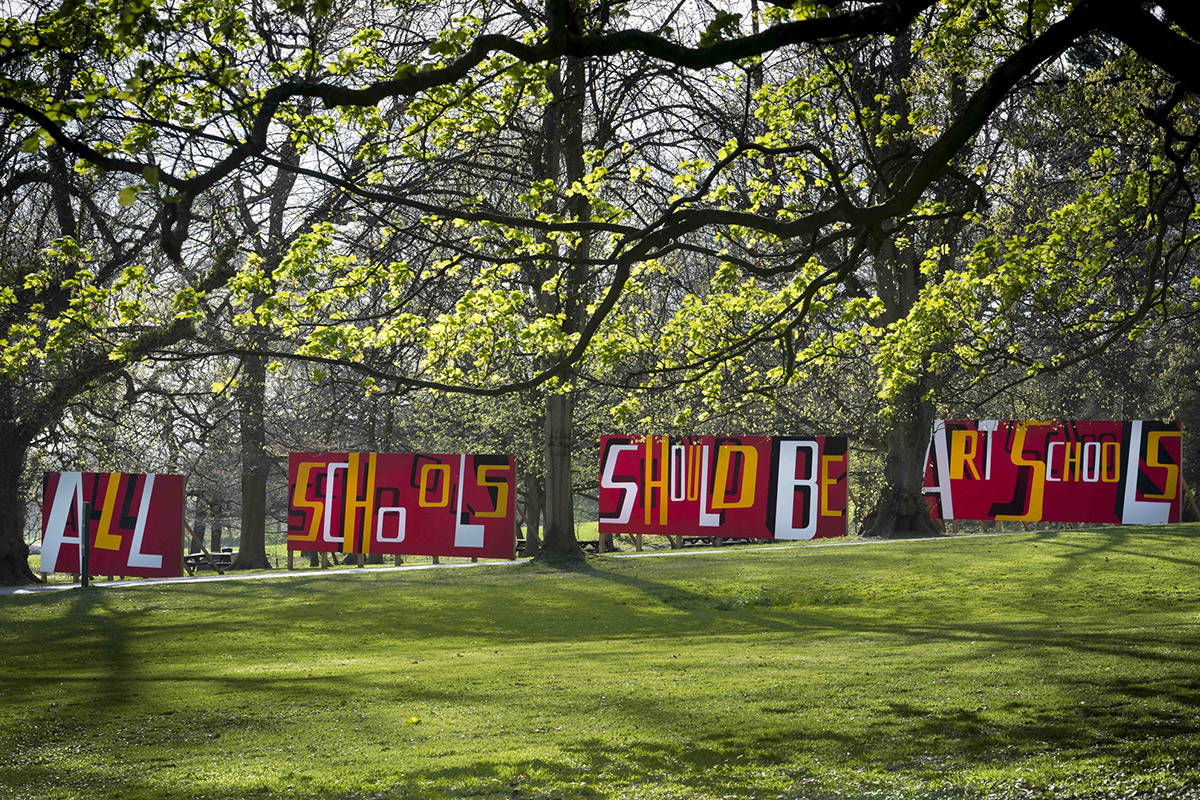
85,545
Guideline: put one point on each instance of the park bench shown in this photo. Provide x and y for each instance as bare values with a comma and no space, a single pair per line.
220,561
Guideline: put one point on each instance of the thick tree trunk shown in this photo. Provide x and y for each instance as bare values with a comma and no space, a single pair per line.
14,553
252,552
901,510
560,539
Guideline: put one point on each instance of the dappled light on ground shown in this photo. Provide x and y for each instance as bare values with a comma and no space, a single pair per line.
955,668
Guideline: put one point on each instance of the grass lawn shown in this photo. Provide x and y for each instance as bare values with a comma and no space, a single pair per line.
1031,665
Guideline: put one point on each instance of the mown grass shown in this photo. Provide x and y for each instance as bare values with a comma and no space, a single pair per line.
1032,665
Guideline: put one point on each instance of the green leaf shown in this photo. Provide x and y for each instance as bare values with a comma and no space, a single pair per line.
128,195
723,23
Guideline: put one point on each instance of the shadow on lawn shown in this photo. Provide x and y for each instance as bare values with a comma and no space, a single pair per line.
98,635
926,755
922,754
1183,647
552,606
694,752
1126,541
282,628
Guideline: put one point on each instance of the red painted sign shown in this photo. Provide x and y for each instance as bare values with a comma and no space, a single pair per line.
1110,472
432,504
135,523
757,487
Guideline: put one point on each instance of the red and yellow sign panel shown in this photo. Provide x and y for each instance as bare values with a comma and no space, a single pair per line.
1115,472
432,504
134,523
757,487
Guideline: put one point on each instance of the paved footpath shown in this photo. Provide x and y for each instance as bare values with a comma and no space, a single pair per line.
349,573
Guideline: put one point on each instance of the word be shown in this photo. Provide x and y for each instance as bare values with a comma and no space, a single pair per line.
731,486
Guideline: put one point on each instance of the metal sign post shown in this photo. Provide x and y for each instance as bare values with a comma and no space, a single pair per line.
85,544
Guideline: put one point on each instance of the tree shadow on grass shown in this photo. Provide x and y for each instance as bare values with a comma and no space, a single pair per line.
99,633
699,755
691,756
282,632
799,621
1127,541
920,754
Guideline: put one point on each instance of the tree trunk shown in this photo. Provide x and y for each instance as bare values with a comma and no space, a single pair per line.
560,497
901,510
14,553
199,525
214,542
252,552
533,513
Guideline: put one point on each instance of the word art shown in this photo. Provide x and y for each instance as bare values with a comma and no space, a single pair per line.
758,487
432,504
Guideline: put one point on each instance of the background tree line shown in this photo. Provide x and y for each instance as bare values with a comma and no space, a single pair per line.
234,230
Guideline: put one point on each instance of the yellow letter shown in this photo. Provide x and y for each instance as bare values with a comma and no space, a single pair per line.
649,485
826,483
693,472
444,469
501,487
1072,460
1112,462
104,539
1038,485
1171,486
351,504
749,476
300,501
963,445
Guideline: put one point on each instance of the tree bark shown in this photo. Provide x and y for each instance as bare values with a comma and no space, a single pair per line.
199,524
214,542
14,553
252,552
533,513
901,510
560,496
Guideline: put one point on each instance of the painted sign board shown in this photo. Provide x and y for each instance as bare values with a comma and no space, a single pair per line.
1114,472
757,487
435,504
135,523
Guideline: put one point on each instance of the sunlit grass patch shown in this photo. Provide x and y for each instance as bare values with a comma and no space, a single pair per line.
1033,665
